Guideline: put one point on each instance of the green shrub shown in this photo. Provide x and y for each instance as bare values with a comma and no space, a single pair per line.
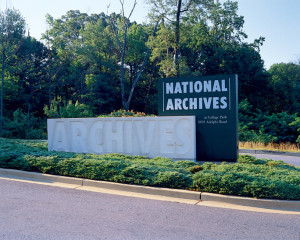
296,124
244,185
6,158
195,169
43,164
259,126
124,113
135,174
58,109
233,184
184,164
172,179
24,126
209,166
206,181
248,159
252,177
273,190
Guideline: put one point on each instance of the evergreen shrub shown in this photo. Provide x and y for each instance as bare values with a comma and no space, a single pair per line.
250,177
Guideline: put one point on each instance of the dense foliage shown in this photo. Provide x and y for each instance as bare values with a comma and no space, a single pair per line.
90,65
251,177
265,127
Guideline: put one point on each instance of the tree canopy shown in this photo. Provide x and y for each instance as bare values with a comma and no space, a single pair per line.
108,62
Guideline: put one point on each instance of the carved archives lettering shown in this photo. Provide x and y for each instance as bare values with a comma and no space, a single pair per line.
172,137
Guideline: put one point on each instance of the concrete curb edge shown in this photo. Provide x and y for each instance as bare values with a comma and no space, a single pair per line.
253,202
165,192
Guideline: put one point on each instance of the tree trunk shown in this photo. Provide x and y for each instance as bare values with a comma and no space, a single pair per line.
122,80
2,90
127,104
28,116
177,37
50,89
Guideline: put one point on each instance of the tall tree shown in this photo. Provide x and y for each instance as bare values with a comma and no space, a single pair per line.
98,54
215,45
172,12
32,67
285,78
83,59
64,39
12,29
120,26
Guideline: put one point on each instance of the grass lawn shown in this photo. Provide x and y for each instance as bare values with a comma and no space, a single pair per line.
280,147
250,177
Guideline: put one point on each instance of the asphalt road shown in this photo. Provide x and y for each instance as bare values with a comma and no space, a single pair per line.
32,211
287,159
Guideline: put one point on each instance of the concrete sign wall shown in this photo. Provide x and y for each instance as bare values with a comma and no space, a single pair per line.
172,137
213,100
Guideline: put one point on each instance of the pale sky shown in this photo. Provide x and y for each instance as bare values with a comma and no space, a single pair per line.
276,20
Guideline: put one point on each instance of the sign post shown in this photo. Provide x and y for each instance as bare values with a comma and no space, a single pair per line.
214,102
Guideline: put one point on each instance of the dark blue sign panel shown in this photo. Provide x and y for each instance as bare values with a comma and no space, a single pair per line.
214,102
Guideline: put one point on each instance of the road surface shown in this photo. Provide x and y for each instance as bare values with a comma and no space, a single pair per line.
33,211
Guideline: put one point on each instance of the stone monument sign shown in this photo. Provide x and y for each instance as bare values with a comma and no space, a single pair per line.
171,137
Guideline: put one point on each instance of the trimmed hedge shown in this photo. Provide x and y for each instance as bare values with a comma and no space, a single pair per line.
250,177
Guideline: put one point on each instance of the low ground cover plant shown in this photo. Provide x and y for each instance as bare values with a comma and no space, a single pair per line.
251,177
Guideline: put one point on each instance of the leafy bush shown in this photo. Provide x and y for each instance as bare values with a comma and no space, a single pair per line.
172,179
249,159
195,169
58,109
124,113
206,181
296,124
136,174
259,126
24,126
252,177
272,189
250,181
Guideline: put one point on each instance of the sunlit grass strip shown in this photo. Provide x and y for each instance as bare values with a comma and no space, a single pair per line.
283,147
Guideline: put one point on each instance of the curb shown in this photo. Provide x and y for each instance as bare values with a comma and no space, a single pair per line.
253,202
292,154
166,192
80,182
34,176
201,197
